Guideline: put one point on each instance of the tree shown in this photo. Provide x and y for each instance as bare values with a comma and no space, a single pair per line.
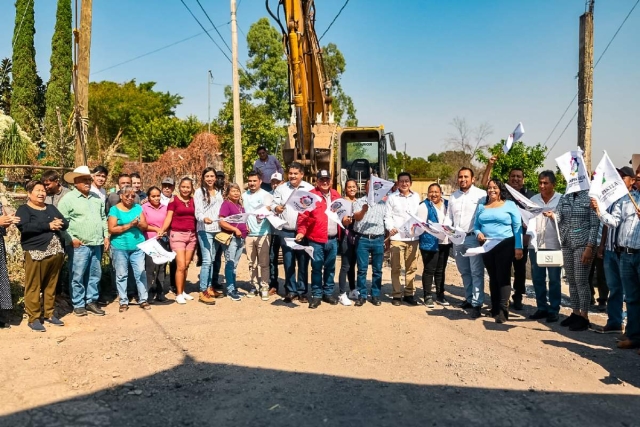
334,67
16,147
58,93
24,74
419,168
528,158
5,86
468,140
162,133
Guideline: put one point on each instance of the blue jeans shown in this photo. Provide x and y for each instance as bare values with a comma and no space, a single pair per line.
209,246
375,247
630,275
85,274
122,260
323,267
232,254
290,258
539,278
472,271
614,282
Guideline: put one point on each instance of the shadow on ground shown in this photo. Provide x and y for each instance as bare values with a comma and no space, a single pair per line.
195,394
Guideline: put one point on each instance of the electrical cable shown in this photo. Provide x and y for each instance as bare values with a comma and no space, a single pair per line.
214,25
334,19
205,30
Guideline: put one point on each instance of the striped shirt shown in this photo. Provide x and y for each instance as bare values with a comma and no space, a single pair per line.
281,196
86,216
209,210
577,222
623,216
373,221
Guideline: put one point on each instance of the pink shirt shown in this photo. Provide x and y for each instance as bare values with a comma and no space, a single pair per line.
154,217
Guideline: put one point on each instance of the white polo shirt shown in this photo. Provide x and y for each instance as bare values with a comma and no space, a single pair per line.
463,207
397,213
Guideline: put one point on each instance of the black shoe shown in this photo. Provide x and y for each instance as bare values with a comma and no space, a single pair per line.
289,298
53,320
4,325
80,312
442,301
428,302
36,326
375,301
580,324
553,317
602,306
465,304
330,299
517,304
569,320
500,317
315,302
475,312
539,314
161,298
396,301
303,299
409,299
361,301
94,309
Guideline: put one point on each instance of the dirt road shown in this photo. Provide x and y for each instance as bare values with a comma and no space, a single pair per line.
269,363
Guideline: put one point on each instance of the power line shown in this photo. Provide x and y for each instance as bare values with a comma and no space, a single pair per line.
334,19
576,95
214,25
205,30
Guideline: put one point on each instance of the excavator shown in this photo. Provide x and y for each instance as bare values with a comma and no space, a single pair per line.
314,139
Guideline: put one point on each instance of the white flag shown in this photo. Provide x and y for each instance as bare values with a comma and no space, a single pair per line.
571,165
291,242
411,228
341,207
240,218
607,186
153,248
488,245
514,137
455,235
527,208
378,188
302,201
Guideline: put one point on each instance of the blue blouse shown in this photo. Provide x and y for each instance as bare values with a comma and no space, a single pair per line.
500,223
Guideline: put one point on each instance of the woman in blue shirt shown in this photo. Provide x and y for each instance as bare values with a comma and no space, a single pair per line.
126,222
499,219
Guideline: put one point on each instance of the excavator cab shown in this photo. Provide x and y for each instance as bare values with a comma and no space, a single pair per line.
362,152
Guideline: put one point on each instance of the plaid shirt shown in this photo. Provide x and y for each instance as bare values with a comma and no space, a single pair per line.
578,223
623,216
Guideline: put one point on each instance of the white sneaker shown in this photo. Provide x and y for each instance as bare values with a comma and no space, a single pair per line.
354,294
180,299
264,293
187,296
344,299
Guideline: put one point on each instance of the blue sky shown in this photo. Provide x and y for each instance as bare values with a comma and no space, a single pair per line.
412,67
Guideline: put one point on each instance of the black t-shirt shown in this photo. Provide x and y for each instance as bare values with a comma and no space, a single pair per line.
35,233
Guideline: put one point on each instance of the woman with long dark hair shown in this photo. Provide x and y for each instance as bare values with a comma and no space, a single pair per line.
435,252
499,219
208,200
347,248
181,219
233,251
156,213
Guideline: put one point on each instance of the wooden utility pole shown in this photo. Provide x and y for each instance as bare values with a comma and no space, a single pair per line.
237,137
585,84
83,49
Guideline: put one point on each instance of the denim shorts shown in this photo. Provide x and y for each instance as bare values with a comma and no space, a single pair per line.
183,240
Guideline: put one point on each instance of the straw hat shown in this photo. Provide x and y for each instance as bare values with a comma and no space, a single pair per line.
77,172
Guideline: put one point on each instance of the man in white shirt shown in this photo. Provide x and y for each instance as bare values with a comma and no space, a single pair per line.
463,205
258,239
296,289
547,238
168,185
99,178
404,247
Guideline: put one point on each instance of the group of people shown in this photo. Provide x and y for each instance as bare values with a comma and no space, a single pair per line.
85,222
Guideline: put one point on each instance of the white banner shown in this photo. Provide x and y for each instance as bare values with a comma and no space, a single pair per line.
441,231
413,227
378,188
571,165
513,137
607,186
153,248
527,208
302,201
488,245
240,218
341,207
291,242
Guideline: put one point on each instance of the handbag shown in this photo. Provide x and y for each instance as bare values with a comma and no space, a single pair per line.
223,238
550,258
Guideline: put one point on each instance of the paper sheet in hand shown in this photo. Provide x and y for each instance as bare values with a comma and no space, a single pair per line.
488,245
514,137
527,208
378,188
153,248
291,242
571,165
607,186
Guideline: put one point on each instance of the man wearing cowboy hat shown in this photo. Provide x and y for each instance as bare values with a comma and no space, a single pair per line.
89,236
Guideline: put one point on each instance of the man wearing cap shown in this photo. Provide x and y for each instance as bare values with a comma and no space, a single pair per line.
611,253
297,288
168,185
89,236
267,165
322,234
274,246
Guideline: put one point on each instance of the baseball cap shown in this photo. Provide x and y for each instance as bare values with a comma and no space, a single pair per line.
323,174
277,176
626,171
168,181
220,173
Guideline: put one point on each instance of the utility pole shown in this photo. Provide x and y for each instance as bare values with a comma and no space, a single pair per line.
237,138
209,81
585,84
83,41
